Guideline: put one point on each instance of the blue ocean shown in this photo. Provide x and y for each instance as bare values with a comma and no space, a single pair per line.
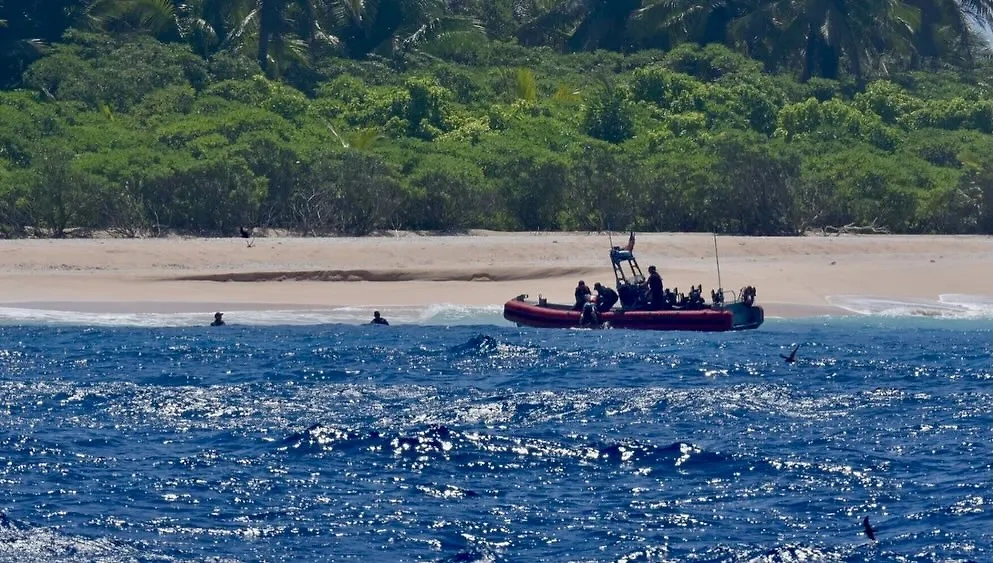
453,436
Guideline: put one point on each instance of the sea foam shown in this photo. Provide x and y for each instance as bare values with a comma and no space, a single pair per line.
432,315
947,306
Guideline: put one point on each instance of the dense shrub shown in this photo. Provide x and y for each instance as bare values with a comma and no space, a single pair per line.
130,134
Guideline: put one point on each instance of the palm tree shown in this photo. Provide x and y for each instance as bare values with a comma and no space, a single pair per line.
27,29
819,34
391,27
946,27
630,24
703,22
272,26
357,27
582,25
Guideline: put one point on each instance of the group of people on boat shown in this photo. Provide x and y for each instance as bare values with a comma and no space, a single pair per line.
649,295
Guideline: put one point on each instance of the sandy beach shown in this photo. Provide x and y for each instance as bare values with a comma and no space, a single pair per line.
795,276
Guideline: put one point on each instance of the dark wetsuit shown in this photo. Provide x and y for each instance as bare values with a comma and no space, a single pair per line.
582,291
217,322
606,298
379,321
655,290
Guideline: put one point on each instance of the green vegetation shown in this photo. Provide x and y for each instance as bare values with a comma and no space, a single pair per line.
338,117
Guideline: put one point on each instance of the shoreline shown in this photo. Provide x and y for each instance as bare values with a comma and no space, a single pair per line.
795,276
772,310
775,310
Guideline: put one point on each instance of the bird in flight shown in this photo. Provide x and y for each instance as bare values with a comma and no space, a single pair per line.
792,357
869,532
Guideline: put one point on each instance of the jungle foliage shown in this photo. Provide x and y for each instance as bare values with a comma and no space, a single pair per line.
333,117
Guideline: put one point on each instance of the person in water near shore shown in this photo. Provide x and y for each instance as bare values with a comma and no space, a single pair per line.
377,319
218,321
605,297
582,295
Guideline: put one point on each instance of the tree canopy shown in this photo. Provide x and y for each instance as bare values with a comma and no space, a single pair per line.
343,116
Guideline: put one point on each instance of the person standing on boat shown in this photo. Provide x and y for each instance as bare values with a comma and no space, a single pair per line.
605,297
655,299
582,295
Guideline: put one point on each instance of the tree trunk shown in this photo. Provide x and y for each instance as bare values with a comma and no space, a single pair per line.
809,54
268,12
716,27
831,62
925,41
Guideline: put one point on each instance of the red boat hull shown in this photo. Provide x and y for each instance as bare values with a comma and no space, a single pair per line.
529,313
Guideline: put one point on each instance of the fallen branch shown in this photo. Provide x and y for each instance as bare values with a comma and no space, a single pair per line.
853,229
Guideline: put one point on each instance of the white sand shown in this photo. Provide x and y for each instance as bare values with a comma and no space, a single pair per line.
795,276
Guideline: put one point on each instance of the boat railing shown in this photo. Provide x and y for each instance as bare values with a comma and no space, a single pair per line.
736,296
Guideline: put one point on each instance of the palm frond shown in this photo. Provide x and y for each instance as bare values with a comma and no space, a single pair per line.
672,16
155,15
249,26
285,49
562,16
525,85
365,139
981,11
566,94
437,28
323,38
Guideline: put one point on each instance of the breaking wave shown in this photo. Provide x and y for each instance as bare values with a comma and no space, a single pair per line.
947,306
432,315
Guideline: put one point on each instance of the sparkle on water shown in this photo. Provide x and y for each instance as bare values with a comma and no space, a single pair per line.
465,441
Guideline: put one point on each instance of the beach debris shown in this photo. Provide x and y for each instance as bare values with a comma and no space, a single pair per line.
248,234
853,229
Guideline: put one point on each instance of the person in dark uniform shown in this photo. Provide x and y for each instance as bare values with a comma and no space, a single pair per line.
377,319
218,321
655,298
605,297
582,295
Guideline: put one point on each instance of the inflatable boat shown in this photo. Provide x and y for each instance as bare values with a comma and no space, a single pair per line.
636,311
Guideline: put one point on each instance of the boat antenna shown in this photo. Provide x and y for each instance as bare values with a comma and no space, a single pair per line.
717,257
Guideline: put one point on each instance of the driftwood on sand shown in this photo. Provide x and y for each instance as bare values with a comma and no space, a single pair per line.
853,229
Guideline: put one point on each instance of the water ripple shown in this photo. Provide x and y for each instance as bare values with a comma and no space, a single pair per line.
492,444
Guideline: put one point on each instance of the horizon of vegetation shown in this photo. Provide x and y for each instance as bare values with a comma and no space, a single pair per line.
140,117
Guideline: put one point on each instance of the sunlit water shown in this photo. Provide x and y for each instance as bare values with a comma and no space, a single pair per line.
478,441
